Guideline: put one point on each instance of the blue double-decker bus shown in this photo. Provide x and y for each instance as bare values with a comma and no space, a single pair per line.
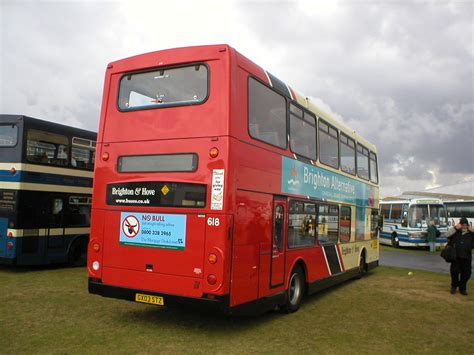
45,191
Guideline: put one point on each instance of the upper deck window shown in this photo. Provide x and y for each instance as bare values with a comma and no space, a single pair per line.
362,162
373,168
267,114
302,132
8,135
83,153
164,87
47,148
328,145
348,161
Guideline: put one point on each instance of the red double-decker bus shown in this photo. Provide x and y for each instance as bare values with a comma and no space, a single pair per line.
215,182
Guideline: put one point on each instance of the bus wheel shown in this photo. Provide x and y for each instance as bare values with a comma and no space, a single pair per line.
78,253
295,291
395,243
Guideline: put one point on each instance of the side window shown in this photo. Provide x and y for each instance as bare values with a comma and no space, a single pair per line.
8,135
302,224
348,160
79,214
385,211
302,132
396,212
267,114
47,148
373,168
328,223
278,227
328,145
362,162
374,222
57,206
82,153
345,224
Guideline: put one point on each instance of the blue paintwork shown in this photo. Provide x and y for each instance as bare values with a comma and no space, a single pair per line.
44,178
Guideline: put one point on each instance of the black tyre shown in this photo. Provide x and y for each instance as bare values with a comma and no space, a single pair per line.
362,265
395,240
78,253
295,291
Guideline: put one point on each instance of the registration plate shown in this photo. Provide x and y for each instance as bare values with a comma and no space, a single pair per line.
139,297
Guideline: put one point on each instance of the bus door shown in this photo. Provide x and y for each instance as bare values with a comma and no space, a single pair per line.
277,267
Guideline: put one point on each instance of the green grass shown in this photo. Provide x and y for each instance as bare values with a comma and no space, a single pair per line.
50,311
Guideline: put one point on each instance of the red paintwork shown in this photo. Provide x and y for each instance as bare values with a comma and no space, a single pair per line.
243,240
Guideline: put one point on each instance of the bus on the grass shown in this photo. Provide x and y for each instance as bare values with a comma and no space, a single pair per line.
405,222
217,183
459,208
45,191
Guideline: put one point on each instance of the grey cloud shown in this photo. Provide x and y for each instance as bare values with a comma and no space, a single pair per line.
400,73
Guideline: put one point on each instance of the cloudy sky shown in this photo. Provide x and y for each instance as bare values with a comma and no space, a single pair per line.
399,72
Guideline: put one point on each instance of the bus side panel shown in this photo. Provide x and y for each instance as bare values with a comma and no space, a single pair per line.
252,227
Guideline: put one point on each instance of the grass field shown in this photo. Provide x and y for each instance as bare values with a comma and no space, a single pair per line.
50,311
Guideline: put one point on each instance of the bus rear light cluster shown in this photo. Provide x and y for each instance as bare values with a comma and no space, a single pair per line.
96,265
10,245
213,152
105,156
95,247
10,235
212,279
13,170
212,258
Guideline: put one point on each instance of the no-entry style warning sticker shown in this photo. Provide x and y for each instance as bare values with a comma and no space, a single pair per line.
130,226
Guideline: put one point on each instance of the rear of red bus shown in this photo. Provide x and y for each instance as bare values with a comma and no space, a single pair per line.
160,230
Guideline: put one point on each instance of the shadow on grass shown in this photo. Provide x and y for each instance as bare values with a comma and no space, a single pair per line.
195,318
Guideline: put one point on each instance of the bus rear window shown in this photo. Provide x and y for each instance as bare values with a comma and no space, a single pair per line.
164,87
158,163
8,135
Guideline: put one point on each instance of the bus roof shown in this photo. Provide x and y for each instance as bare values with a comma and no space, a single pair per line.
53,126
414,201
151,59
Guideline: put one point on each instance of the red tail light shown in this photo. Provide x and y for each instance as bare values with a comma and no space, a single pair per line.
212,279
10,245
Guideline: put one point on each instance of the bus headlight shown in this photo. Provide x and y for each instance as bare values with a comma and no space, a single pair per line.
96,265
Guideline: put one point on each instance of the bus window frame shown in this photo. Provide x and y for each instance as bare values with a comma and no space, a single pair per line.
368,161
287,113
304,112
315,236
376,181
338,134
195,157
17,135
67,150
149,70
354,149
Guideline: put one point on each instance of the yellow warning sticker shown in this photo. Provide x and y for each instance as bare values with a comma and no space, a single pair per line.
164,190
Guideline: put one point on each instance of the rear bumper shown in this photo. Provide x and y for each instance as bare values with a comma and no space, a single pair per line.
218,304
128,294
